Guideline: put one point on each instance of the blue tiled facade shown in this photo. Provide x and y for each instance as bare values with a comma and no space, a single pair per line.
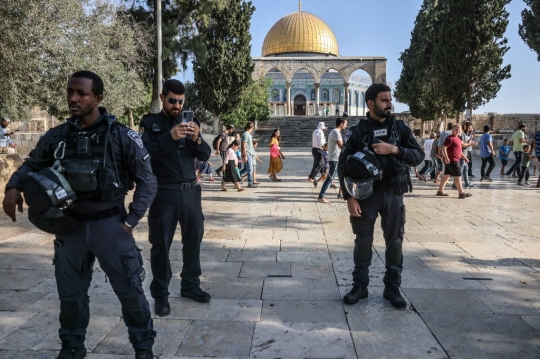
332,92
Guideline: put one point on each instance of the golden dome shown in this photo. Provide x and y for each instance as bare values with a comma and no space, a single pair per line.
300,32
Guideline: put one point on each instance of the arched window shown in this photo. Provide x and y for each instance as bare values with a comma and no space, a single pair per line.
325,94
275,95
335,96
313,95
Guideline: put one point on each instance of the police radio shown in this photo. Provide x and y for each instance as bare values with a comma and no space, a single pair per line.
187,117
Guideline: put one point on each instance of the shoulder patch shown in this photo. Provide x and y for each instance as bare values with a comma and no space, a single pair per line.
347,135
141,131
135,137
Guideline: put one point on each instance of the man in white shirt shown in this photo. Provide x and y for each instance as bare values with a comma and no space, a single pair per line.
335,142
318,140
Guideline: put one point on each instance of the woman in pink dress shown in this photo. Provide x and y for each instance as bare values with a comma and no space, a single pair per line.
275,156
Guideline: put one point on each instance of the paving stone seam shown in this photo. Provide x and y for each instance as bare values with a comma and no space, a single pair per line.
431,331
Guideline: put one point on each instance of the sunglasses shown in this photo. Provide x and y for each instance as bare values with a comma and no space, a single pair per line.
173,101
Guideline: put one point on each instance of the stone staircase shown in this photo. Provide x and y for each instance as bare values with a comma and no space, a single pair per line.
296,131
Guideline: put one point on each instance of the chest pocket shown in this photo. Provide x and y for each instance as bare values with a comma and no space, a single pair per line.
82,174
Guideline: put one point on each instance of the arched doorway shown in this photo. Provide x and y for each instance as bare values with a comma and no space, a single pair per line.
299,105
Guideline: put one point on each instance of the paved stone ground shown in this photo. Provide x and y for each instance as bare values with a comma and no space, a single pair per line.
277,264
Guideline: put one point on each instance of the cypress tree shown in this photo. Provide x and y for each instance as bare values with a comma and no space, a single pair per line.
417,86
468,54
228,67
529,29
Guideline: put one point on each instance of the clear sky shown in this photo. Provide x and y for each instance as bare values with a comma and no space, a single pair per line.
383,28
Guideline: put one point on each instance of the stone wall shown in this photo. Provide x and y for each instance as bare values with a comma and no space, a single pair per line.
26,141
500,123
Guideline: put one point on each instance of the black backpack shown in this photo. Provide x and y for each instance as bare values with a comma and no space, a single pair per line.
215,142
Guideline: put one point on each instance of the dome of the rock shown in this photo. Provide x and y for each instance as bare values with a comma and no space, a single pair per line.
300,33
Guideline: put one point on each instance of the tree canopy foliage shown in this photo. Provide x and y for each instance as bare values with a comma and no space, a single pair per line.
418,86
227,68
529,29
180,41
45,41
253,105
455,59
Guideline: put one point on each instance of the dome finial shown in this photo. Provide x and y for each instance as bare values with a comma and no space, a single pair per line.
300,5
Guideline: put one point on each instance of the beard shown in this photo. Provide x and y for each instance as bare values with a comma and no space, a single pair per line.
169,113
4,125
382,113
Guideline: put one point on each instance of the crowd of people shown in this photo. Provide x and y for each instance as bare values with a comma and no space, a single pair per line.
449,154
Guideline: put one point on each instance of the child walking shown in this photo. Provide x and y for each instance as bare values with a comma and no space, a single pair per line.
205,168
230,167
257,159
324,170
504,151
525,163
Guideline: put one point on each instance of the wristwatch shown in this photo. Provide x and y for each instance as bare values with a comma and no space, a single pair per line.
128,225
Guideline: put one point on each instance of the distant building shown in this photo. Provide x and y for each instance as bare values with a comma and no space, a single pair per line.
300,54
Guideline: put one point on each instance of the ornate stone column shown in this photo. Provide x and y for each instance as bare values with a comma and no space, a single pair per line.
317,98
288,87
346,94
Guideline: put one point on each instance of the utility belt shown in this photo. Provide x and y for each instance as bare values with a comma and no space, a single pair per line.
178,186
106,213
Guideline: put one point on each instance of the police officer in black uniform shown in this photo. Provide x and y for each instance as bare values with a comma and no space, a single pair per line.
174,145
380,149
100,159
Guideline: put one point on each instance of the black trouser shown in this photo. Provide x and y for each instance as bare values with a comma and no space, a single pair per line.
469,157
392,210
524,173
120,259
517,165
317,162
485,161
222,155
427,164
169,208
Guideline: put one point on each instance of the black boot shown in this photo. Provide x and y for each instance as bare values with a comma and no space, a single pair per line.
394,296
197,294
355,295
162,306
144,354
70,353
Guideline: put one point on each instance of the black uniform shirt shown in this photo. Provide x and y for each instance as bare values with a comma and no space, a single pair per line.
410,151
133,157
171,164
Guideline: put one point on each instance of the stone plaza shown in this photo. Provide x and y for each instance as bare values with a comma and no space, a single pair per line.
277,264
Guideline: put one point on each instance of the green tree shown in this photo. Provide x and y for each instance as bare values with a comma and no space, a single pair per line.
193,103
529,29
65,36
227,68
253,105
468,53
180,38
418,86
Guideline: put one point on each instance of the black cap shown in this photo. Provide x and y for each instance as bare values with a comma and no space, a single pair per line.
487,128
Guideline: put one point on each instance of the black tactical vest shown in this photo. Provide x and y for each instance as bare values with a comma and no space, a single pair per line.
392,136
93,161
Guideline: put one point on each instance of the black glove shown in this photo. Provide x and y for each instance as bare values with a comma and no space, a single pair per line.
402,182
